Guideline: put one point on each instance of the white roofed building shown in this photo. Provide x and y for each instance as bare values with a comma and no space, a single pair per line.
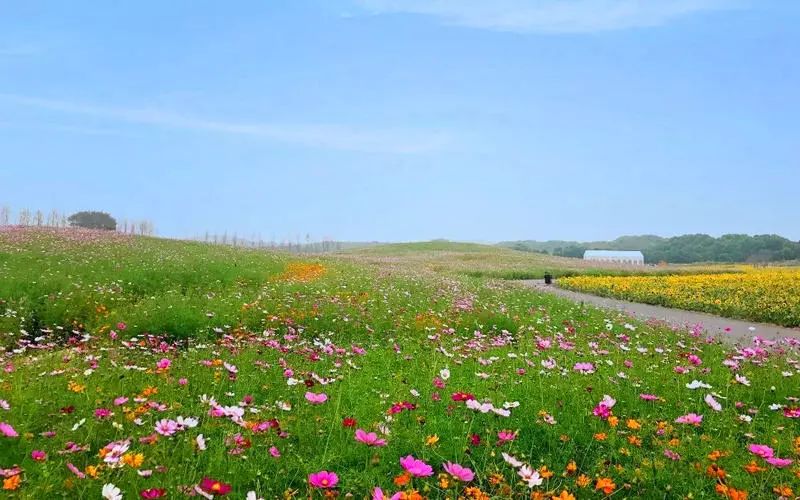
634,257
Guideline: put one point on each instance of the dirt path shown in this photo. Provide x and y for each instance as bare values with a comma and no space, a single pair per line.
732,329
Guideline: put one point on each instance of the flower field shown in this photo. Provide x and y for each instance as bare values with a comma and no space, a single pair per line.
769,295
135,367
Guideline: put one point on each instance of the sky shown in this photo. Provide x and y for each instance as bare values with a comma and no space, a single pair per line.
402,120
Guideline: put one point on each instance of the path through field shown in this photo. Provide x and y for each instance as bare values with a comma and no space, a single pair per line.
732,329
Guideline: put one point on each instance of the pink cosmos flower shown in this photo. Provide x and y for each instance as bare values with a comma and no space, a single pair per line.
323,479
690,418
275,452
695,360
182,381
101,413
459,472
416,467
584,368
369,438
39,455
377,494
505,436
779,462
648,397
120,401
761,450
7,430
601,411
316,399
76,471
791,412
713,403
163,364
121,326
672,455
166,427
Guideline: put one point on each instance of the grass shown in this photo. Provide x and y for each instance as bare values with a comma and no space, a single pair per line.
90,320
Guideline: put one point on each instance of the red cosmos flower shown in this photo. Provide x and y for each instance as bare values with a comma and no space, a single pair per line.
153,493
462,396
349,422
214,487
474,439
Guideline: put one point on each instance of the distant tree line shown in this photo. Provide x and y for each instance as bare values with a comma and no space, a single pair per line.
84,219
679,249
297,246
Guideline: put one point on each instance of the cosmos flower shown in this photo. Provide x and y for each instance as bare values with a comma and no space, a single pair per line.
416,467
323,479
459,472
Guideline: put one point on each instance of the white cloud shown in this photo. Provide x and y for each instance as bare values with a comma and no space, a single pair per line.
326,136
550,16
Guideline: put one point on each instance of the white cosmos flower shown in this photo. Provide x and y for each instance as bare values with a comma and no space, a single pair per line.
530,476
444,373
201,442
696,384
111,492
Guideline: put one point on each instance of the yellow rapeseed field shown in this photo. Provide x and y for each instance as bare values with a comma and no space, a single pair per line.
770,295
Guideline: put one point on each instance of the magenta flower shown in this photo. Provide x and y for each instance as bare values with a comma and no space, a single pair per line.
163,364
101,413
648,397
316,399
416,467
761,450
690,418
779,462
459,472
323,479
39,455
505,436
377,494
7,430
584,368
369,438
275,452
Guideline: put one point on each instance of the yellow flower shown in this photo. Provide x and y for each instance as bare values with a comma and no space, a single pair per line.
134,460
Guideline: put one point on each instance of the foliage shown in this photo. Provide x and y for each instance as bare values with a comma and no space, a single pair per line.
688,248
92,220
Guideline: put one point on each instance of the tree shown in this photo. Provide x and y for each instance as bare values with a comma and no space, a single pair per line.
93,220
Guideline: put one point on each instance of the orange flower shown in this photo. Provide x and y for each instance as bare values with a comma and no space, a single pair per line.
11,483
716,471
565,495
731,493
613,421
605,484
783,490
635,440
545,472
633,424
753,467
572,467
402,479
715,455
583,481
134,460
600,436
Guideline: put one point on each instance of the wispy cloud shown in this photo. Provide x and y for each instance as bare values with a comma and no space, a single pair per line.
327,136
550,16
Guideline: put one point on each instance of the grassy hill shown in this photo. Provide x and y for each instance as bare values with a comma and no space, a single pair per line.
164,367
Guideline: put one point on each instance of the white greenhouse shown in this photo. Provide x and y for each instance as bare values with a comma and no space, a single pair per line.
634,257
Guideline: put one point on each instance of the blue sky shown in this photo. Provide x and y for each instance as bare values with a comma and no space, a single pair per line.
407,119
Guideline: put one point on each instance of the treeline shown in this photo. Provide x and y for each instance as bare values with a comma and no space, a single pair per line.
85,219
308,245
687,248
